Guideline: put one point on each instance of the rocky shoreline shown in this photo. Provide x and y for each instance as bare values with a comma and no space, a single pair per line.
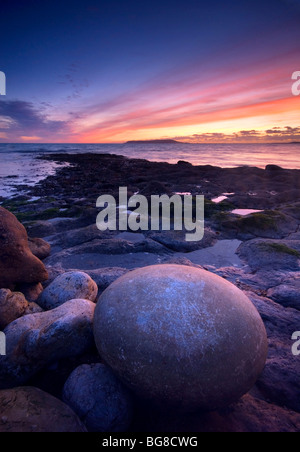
259,253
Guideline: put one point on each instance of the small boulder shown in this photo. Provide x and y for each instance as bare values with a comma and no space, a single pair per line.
39,247
99,398
12,306
17,263
28,409
68,286
37,340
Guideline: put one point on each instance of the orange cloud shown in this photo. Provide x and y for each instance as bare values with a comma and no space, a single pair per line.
259,95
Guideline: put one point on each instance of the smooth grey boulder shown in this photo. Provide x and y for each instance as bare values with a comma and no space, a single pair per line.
287,294
99,398
36,340
180,336
68,286
28,409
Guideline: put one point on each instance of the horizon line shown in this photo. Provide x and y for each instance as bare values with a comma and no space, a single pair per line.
150,141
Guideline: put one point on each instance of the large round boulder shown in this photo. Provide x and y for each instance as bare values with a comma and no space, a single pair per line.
17,263
180,336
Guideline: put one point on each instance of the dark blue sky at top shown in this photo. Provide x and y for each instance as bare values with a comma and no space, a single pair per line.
125,41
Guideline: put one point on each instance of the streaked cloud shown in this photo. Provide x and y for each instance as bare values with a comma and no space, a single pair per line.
21,120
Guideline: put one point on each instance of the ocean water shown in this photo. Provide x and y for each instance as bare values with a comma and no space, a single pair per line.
19,166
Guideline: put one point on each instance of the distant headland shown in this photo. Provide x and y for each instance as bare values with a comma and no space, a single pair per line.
153,142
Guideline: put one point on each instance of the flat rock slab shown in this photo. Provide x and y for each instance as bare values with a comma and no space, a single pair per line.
222,254
93,261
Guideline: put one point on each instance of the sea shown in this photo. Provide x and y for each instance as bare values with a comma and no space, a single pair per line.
19,165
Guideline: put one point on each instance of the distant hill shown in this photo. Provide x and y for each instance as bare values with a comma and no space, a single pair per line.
153,142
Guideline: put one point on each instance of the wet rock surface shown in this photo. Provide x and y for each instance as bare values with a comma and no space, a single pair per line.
265,268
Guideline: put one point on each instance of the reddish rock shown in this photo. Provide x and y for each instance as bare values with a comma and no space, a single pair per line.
17,263
12,306
39,247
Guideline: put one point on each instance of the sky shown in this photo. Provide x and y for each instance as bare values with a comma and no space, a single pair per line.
112,71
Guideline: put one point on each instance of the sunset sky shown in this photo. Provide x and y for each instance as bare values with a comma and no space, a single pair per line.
112,71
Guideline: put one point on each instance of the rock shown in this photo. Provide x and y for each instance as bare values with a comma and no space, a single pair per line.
39,247
288,196
28,409
180,336
279,383
248,415
53,273
98,398
33,308
176,241
12,306
275,168
34,341
155,188
103,277
17,263
45,228
270,254
41,228
118,246
270,224
293,210
75,237
109,246
180,261
31,291
70,285
287,294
